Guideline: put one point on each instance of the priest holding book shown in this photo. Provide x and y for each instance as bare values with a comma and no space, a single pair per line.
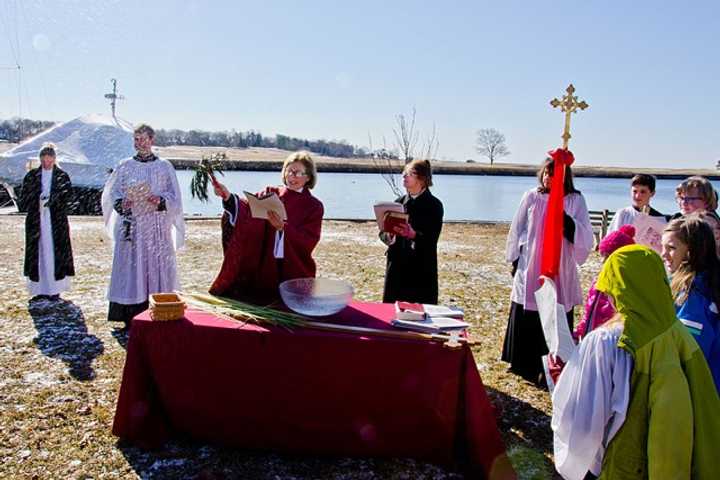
412,274
262,252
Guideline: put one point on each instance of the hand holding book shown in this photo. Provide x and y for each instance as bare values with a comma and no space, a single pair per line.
394,222
405,230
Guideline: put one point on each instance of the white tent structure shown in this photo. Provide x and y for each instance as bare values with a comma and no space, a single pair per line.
87,149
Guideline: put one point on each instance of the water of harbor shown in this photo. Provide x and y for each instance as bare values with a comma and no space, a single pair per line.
465,197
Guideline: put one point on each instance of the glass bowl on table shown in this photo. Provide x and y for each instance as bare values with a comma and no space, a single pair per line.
316,297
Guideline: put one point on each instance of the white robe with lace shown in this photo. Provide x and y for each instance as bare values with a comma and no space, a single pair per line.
144,263
524,243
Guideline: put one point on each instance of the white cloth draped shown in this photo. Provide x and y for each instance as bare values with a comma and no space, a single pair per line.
624,216
144,256
590,402
46,284
524,242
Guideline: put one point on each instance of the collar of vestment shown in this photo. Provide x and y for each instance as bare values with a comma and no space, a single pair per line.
417,194
285,190
144,159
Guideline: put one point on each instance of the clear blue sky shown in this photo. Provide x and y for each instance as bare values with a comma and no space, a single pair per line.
650,70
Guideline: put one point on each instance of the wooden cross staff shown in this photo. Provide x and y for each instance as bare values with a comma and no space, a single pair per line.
569,104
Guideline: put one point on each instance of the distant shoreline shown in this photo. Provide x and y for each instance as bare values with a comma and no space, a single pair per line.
270,159
454,168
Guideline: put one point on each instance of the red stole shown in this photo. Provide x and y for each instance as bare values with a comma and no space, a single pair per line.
552,241
250,270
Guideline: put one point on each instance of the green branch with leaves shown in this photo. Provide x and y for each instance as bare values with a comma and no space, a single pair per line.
205,174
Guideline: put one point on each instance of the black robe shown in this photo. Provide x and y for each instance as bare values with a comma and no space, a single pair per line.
412,274
60,200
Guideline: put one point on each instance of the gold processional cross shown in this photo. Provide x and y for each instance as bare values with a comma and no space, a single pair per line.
569,104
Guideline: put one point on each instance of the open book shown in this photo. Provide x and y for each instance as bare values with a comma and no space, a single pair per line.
382,209
259,207
423,311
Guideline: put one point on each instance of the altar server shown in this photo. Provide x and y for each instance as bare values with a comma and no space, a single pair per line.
524,343
142,208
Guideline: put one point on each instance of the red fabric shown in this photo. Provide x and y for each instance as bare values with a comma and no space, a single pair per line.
308,391
250,270
555,367
552,241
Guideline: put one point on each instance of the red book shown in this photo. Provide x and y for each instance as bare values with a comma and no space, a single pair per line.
394,219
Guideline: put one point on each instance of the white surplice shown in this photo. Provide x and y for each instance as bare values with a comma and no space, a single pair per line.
525,240
590,402
144,255
46,284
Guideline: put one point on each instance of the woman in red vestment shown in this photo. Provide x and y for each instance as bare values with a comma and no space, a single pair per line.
259,253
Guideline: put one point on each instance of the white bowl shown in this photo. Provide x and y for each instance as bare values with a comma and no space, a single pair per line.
316,297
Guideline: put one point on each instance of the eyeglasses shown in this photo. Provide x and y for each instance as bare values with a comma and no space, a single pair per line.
688,199
296,173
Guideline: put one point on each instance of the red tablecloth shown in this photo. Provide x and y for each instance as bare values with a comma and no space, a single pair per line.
307,391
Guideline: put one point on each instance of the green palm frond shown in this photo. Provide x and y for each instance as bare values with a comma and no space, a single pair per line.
205,172
244,312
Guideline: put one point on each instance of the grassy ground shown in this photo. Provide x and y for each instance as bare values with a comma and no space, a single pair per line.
61,363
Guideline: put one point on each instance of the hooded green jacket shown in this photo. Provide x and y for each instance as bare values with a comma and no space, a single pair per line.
672,428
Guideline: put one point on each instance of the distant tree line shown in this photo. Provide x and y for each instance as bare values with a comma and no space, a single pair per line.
16,130
235,139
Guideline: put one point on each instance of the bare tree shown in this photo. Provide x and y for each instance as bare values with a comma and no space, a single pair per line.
386,161
406,137
491,144
406,142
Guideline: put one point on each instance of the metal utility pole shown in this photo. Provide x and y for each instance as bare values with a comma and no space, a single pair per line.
114,97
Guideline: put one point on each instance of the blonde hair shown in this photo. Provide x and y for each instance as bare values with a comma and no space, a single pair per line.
303,157
698,236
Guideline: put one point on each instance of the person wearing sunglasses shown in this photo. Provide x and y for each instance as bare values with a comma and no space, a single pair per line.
697,195
259,254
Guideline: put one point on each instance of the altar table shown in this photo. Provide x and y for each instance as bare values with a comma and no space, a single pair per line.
308,391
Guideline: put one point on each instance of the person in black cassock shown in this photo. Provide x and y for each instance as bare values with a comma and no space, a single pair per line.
46,196
412,274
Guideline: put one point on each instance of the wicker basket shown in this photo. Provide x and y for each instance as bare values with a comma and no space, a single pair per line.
166,306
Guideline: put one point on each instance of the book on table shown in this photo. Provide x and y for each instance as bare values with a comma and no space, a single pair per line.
428,318
422,311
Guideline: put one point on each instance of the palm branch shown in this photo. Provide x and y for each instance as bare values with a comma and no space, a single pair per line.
205,173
